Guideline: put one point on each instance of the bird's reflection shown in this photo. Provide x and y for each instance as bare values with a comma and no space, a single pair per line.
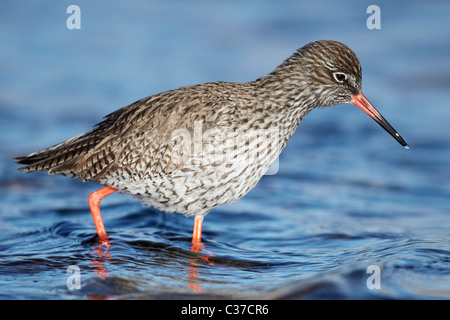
102,252
193,281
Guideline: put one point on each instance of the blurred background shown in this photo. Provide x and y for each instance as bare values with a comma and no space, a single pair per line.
346,195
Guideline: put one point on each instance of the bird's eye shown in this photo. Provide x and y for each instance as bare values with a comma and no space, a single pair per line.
340,77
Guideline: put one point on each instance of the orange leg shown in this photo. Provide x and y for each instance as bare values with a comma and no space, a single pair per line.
197,234
94,204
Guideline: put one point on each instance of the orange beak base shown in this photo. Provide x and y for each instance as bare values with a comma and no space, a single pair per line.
361,102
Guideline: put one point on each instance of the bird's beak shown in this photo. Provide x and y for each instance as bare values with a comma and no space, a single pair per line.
361,102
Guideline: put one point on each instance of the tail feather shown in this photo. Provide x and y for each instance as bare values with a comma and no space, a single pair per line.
59,159
68,157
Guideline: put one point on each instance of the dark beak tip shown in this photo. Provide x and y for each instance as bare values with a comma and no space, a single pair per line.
401,141
361,102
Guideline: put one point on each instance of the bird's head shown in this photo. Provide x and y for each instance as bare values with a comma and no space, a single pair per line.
329,73
332,70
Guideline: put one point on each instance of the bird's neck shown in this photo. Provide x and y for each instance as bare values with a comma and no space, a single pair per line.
286,103
288,94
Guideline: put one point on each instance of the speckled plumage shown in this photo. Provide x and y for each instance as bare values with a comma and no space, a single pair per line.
191,149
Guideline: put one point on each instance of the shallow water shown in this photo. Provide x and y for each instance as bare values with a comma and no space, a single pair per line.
346,196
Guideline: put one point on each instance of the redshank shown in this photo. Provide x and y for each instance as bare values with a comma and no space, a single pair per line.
191,149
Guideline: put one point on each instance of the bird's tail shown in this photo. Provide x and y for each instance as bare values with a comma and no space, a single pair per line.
60,158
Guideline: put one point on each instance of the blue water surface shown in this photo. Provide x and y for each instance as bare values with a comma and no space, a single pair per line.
346,197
